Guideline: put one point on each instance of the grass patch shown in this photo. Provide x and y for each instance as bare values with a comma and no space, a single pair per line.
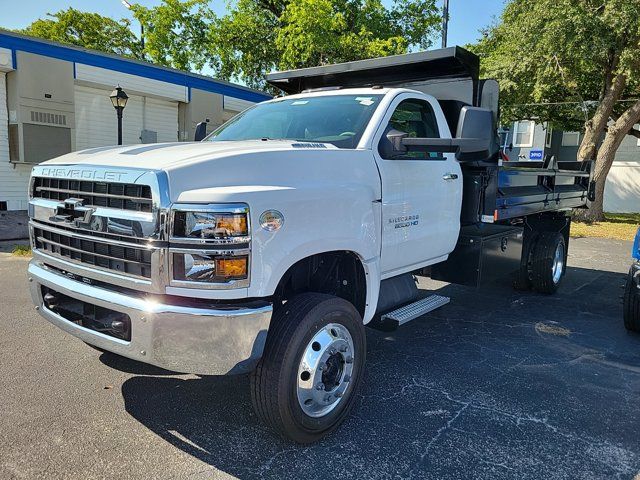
21,251
621,226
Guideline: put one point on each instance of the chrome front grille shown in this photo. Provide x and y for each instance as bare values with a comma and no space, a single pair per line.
128,260
102,224
122,196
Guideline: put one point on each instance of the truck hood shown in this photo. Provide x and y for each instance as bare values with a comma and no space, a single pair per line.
207,172
162,156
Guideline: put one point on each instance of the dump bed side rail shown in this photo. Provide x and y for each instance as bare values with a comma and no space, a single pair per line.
527,188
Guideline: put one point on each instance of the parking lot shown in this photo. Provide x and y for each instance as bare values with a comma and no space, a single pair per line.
497,384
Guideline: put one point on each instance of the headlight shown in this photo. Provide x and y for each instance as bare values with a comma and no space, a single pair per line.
208,246
208,267
224,226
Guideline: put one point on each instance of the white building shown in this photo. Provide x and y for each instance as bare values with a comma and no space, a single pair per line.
54,99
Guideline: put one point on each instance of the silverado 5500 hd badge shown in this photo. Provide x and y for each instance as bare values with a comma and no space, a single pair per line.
405,221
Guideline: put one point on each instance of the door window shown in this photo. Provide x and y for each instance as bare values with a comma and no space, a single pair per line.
417,119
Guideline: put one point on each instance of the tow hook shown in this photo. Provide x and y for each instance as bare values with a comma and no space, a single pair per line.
50,301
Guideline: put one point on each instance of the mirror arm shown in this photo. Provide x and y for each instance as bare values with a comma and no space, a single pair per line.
448,145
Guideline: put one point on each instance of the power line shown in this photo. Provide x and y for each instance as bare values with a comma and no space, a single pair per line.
592,102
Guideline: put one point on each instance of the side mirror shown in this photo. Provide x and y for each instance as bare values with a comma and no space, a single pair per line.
391,143
478,124
201,131
510,147
475,140
475,122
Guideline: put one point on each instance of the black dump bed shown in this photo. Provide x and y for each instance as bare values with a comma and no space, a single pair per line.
396,70
494,191
509,190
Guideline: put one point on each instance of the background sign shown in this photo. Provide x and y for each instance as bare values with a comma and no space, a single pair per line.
535,155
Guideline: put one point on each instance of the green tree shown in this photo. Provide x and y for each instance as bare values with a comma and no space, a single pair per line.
258,36
88,30
575,64
255,36
175,32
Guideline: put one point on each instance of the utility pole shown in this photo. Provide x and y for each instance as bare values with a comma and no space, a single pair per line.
127,5
445,22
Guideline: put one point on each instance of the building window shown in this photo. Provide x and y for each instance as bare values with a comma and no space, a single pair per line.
570,139
548,137
523,134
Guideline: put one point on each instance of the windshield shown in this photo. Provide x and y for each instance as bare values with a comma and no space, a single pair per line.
336,119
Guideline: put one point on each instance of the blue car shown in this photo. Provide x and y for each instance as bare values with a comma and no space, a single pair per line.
632,290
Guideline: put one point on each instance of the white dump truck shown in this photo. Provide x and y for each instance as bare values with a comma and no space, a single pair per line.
267,247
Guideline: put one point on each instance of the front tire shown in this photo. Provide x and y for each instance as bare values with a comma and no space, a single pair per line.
549,262
304,385
631,305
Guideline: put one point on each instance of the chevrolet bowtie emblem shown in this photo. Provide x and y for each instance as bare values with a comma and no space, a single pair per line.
72,210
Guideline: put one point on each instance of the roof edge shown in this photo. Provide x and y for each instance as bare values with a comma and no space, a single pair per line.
18,41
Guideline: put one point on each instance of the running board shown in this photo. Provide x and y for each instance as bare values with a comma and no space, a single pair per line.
414,310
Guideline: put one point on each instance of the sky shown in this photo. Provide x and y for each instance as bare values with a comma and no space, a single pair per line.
467,17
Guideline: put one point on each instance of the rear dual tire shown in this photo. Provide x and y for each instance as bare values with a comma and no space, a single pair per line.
545,265
305,384
549,262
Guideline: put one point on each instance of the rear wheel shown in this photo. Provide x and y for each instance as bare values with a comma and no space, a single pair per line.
305,383
522,280
631,305
549,262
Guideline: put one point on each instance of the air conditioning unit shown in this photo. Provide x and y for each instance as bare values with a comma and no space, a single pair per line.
40,97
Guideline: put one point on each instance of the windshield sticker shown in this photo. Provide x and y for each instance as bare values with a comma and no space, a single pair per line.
300,102
366,101
308,145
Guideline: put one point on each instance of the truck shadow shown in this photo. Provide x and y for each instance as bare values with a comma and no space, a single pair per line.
417,381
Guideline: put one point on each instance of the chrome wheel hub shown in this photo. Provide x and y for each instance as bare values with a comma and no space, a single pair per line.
325,370
558,264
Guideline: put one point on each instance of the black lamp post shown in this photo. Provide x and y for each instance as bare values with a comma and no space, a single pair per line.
119,101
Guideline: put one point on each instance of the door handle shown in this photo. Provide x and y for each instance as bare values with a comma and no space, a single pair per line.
450,176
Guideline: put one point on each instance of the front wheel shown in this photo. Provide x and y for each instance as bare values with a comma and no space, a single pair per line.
305,383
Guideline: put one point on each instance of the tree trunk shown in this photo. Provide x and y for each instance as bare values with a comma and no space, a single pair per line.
594,127
606,155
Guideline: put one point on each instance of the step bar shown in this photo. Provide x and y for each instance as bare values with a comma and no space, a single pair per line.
414,310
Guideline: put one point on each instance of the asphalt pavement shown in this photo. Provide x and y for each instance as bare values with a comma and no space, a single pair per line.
497,384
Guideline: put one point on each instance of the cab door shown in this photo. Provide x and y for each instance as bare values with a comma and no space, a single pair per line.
421,192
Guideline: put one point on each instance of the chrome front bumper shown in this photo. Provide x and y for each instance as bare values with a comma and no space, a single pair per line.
209,341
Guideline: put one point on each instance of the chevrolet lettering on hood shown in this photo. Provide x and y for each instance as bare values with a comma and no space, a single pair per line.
81,174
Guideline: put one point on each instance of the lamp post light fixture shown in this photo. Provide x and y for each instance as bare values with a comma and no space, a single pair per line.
119,101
